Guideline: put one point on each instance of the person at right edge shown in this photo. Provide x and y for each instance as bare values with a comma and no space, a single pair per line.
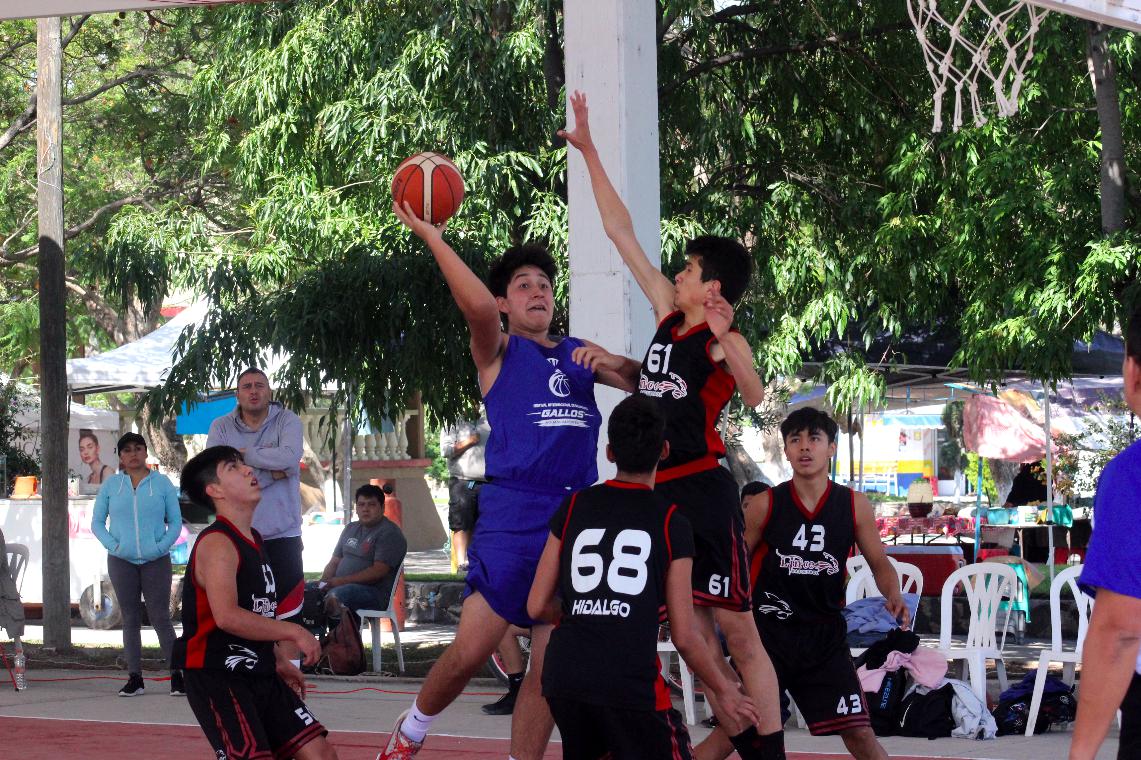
693,366
1111,662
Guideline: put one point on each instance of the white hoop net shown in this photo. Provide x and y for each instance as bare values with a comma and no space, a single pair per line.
976,44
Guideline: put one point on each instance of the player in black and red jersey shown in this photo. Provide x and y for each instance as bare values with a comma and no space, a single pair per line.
617,560
801,533
244,692
693,366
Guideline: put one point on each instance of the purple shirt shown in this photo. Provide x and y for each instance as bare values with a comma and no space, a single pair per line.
1114,558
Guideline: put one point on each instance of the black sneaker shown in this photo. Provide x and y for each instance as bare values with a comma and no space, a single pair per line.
134,687
504,706
177,687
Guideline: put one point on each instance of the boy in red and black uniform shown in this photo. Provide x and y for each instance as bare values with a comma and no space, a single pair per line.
694,365
245,693
617,560
801,533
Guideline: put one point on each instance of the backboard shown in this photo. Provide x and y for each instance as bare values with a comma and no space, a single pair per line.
1123,13
46,8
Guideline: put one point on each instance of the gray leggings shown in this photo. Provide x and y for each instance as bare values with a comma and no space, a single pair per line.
151,582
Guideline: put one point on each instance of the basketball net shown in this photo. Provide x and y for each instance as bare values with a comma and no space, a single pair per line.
977,44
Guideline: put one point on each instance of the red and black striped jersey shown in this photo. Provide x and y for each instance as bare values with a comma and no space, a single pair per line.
691,390
618,540
203,645
797,567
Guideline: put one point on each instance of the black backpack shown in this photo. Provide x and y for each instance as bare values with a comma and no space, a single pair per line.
928,715
1011,715
313,616
884,705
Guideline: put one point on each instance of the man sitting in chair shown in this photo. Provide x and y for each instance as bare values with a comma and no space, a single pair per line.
368,554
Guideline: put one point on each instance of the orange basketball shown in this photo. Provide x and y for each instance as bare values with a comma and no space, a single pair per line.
431,184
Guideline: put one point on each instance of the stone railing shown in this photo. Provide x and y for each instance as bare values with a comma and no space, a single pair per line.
388,446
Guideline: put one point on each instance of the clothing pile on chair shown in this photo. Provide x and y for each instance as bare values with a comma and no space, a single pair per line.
1059,705
908,694
868,621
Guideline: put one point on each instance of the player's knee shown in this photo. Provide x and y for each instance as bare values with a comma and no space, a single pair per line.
860,742
741,636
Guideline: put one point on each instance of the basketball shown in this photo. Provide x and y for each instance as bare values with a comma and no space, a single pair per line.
431,184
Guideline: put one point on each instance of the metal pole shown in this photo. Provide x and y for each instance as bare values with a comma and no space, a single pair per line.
347,458
979,509
1049,484
861,449
53,336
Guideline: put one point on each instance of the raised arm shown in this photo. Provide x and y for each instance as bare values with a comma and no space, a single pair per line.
887,579
470,293
732,348
615,216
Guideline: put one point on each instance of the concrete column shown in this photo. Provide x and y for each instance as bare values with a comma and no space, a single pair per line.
611,55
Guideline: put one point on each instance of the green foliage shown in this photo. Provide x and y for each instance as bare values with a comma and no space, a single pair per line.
952,451
13,401
438,470
971,471
1081,458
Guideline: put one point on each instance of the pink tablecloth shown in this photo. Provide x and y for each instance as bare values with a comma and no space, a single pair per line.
945,525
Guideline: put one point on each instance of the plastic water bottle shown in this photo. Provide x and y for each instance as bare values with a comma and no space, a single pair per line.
21,679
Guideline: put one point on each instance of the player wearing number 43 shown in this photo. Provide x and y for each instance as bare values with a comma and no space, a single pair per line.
617,559
800,533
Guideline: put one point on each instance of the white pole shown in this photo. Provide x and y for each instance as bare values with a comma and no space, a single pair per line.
611,55
347,458
1049,484
861,449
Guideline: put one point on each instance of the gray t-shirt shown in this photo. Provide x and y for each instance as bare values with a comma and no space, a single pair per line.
468,465
359,547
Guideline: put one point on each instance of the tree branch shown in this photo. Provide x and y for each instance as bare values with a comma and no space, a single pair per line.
32,251
76,25
130,75
832,40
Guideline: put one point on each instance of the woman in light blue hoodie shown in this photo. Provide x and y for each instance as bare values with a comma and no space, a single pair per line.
145,521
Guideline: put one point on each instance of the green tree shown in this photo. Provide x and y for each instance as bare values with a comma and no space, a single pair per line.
802,129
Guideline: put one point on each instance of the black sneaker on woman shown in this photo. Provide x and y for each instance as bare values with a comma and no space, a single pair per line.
134,687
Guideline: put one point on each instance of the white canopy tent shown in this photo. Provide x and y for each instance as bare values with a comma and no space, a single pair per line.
134,367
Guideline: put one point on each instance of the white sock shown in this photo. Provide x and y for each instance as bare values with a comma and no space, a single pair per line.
416,724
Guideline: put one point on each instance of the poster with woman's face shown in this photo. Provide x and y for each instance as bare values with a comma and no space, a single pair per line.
91,457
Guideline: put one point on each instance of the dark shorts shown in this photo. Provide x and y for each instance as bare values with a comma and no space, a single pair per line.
284,555
463,503
710,501
590,732
1129,744
248,716
814,664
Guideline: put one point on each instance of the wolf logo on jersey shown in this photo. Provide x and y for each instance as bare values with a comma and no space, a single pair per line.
243,657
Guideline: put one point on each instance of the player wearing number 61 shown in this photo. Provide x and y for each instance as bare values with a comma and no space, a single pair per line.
619,557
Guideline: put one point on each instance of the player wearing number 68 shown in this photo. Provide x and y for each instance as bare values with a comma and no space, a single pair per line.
620,558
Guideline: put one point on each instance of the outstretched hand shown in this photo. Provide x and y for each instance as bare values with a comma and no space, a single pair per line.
423,230
579,137
718,311
595,358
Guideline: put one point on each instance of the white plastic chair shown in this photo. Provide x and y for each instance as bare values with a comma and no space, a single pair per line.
373,618
985,583
1068,577
863,583
666,651
17,562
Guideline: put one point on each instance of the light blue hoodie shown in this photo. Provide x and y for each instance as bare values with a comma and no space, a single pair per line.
145,521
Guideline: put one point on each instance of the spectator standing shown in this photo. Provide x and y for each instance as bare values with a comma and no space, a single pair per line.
462,445
137,519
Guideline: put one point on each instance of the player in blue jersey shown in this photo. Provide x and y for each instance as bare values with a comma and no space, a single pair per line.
1111,657
695,363
539,394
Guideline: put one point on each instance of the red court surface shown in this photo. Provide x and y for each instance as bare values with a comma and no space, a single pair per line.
44,739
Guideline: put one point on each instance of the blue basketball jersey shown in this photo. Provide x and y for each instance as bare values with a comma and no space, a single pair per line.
544,420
